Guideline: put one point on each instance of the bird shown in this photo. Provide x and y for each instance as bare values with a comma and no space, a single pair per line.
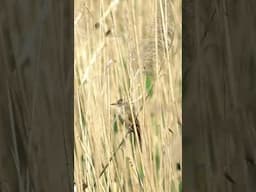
126,113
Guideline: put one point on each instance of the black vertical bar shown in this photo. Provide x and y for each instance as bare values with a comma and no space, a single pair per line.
36,95
219,130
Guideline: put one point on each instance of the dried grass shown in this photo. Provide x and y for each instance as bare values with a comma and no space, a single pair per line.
122,49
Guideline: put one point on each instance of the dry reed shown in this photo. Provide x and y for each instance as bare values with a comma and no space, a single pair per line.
129,50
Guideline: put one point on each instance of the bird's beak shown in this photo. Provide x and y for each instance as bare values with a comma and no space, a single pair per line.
119,102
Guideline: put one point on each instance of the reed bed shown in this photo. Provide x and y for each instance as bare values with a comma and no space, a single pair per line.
129,50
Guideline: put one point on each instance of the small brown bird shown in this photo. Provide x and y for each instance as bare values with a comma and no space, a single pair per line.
126,114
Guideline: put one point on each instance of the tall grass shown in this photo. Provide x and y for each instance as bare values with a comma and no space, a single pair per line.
131,50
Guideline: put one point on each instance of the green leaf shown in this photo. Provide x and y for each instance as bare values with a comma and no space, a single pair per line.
180,187
149,85
141,172
157,159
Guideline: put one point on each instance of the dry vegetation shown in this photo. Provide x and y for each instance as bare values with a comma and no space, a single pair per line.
131,50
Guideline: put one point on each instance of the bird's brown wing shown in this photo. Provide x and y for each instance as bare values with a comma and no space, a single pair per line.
136,129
